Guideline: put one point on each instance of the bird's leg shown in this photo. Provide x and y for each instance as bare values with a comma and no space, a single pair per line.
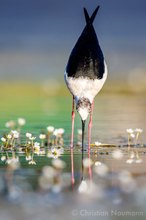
72,124
89,127
83,132
89,139
71,144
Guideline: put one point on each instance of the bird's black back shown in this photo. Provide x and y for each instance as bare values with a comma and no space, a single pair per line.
86,58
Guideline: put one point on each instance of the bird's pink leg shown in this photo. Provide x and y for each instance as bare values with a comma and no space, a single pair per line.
71,144
89,139
72,125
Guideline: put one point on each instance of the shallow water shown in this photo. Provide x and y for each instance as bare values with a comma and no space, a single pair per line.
113,114
119,192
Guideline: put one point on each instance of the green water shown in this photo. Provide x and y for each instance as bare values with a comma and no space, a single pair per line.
29,174
39,110
113,112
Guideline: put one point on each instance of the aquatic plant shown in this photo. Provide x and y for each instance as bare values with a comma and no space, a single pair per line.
55,152
133,136
11,143
20,123
50,130
42,138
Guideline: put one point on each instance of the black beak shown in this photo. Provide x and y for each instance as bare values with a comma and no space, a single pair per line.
83,133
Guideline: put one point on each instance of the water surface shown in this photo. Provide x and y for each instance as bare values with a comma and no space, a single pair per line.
121,188
113,112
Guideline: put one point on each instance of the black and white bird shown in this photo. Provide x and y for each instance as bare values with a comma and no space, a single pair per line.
85,74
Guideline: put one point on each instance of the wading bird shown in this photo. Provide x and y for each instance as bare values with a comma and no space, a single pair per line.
85,74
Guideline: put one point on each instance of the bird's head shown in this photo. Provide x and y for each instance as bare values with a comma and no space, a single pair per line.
83,108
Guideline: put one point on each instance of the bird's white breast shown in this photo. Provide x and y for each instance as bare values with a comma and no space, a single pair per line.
85,87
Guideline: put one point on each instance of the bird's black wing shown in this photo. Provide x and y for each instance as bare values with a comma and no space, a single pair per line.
86,58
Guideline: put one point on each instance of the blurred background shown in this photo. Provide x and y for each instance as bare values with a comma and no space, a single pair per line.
37,37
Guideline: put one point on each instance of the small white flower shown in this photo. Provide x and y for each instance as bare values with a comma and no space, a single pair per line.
28,135
97,143
3,139
28,157
9,136
130,130
32,138
36,144
32,162
49,154
132,135
55,152
15,134
138,130
21,121
36,147
50,129
61,131
3,158
10,124
55,133
42,136
117,154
